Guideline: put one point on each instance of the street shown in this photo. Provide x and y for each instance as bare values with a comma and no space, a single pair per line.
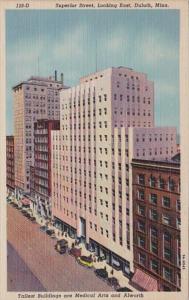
31,255
20,278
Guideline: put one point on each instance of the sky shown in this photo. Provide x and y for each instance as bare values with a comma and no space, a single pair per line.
76,42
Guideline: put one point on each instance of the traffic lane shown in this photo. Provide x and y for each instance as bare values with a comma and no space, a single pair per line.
19,276
55,272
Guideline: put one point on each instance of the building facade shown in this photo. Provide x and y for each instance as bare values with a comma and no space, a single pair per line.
36,98
41,189
156,224
10,176
92,152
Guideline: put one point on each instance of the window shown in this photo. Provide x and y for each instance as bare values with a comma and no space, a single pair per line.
178,205
142,259
153,199
153,214
171,184
166,219
154,232
154,265
154,247
141,241
141,210
141,226
152,181
167,254
167,273
178,223
141,179
167,236
141,194
166,201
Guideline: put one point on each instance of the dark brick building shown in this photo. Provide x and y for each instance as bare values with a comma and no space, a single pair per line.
41,184
156,225
10,176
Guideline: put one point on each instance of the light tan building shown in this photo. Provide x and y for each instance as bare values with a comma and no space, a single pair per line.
36,98
91,156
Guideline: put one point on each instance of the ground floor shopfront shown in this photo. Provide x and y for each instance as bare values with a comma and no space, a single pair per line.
118,263
103,254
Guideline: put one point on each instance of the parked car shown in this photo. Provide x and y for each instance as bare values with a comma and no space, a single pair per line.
76,252
85,261
61,246
26,214
51,233
18,207
123,289
43,228
112,281
32,219
102,273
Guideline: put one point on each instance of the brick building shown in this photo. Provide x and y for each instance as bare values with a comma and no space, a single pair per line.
41,182
10,176
156,224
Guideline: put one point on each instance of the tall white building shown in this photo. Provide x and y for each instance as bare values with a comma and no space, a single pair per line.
105,121
36,98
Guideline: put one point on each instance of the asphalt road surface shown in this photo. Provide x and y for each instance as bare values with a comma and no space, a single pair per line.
20,278
31,255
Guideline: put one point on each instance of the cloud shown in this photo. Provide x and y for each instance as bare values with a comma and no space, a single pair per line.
155,47
71,43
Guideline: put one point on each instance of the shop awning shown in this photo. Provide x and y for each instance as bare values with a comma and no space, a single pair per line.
25,202
144,281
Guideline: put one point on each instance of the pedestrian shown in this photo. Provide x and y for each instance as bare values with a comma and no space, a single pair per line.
112,272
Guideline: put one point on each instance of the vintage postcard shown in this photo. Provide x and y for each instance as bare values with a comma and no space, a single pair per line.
94,149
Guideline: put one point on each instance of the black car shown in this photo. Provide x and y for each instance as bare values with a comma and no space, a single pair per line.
102,273
112,281
26,214
43,228
32,219
18,207
61,246
123,289
51,233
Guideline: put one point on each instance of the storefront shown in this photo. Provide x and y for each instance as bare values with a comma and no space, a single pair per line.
112,259
64,227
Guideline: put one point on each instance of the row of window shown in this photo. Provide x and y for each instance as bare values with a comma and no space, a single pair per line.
157,182
128,113
155,267
154,216
154,138
153,198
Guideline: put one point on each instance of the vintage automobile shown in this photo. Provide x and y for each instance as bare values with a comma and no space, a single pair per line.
51,233
61,246
85,261
112,281
102,273
43,228
76,252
